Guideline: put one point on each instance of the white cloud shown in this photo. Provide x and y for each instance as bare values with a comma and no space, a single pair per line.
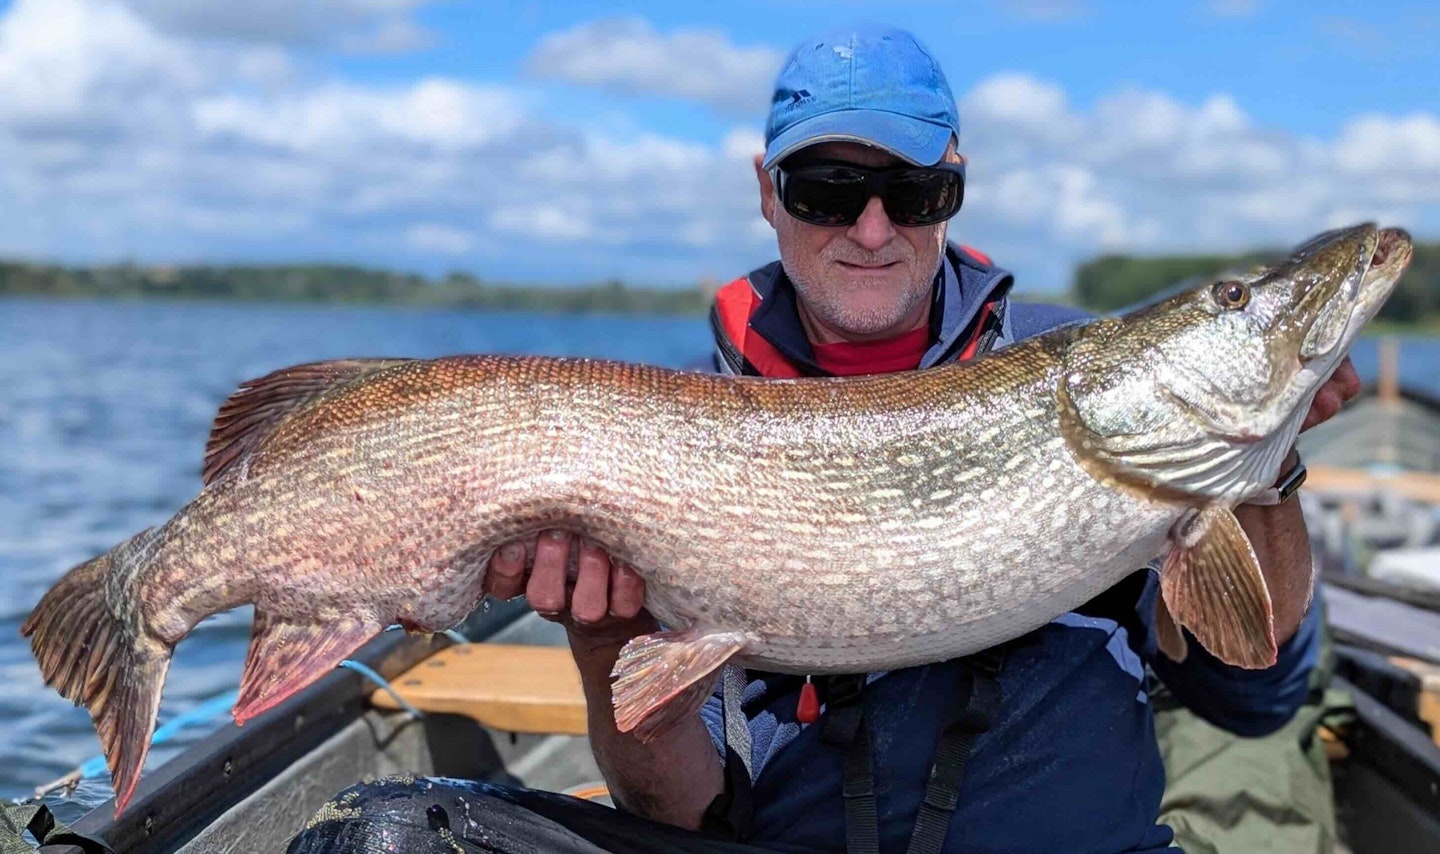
1018,108
434,112
390,35
743,144
121,139
1143,171
437,237
546,222
75,66
1408,145
629,55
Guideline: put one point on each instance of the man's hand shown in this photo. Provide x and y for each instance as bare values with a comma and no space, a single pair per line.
1278,533
676,776
1342,385
603,602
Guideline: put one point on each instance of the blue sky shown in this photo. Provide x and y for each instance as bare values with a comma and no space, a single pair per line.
571,142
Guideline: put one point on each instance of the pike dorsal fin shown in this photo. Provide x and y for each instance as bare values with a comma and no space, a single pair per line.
285,657
1212,585
259,405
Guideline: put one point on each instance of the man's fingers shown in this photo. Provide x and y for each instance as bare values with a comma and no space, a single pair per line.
627,591
505,576
1319,410
546,589
1343,384
589,603
1327,402
1347,379
597,591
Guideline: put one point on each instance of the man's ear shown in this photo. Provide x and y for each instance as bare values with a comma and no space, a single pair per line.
952,152
767,190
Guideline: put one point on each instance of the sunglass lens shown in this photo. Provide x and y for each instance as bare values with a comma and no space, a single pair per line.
922,196
825,195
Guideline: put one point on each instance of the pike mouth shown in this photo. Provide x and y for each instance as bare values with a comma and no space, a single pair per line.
1334,324
1390,242
1393,248
1387,242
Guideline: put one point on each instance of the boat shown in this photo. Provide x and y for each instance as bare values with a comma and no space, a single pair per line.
252,788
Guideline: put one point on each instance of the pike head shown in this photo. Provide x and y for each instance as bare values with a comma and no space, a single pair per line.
1198,397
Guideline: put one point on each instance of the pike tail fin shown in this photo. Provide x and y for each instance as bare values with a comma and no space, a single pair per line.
96,659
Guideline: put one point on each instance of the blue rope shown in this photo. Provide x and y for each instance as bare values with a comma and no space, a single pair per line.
205,711
381,681
453,634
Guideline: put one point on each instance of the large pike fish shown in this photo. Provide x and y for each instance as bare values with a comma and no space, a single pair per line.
802,526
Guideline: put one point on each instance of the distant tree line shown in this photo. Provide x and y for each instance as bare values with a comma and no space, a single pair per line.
1104,284
341,284
1115,281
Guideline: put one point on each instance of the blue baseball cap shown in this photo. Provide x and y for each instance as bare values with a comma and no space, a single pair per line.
873,85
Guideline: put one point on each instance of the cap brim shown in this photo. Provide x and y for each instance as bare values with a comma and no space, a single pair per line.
915,140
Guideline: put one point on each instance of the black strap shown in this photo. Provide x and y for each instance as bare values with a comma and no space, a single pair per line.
845,728
730,814
956,744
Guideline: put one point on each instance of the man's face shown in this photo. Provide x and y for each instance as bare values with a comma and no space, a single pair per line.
864,281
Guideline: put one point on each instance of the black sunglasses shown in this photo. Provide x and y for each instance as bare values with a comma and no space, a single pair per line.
835,193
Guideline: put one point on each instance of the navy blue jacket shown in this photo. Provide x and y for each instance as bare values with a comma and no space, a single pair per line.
1072,764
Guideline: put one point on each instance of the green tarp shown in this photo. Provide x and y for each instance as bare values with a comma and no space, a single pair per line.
1230,795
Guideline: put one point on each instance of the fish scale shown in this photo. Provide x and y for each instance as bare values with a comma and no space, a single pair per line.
818,525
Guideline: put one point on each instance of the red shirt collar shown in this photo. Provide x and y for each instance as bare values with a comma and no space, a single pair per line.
901,353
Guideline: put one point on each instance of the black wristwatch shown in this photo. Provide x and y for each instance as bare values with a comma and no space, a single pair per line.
1285,487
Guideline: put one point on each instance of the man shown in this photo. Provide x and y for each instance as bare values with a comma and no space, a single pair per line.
1049,742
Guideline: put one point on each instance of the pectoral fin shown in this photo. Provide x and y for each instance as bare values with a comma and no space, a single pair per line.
1212,585
1168,635
663,678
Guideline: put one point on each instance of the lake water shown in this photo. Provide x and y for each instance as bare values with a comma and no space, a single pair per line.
104,411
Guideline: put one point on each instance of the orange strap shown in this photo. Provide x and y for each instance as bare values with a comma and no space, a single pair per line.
735,303
978,255
985,311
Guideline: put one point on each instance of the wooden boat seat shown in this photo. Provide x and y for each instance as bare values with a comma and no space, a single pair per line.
507,687
1428,701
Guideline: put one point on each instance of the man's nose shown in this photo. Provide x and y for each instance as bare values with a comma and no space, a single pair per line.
873,229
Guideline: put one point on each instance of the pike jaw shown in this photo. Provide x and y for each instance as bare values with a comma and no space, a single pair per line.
1199,397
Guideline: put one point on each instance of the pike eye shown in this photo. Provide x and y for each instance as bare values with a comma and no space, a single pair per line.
1232,295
